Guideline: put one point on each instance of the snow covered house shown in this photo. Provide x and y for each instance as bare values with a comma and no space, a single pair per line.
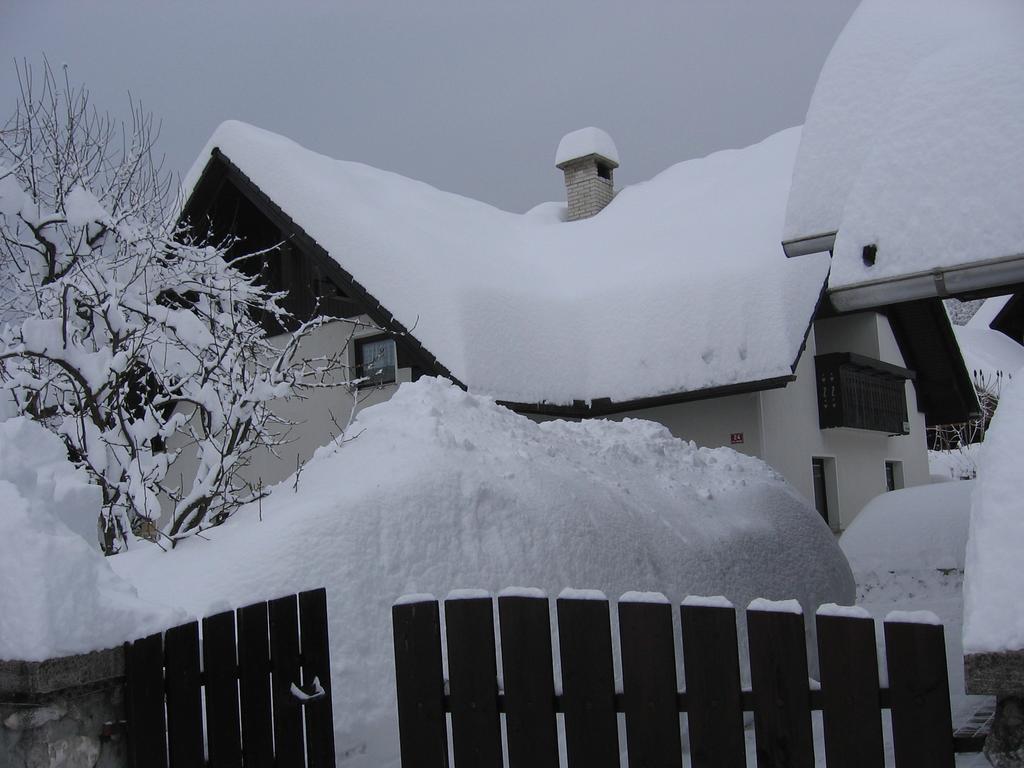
670,300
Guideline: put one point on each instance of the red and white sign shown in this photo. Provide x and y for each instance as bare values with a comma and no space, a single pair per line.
736,438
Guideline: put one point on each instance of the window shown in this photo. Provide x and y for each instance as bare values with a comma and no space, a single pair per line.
861,393
376,361
893,475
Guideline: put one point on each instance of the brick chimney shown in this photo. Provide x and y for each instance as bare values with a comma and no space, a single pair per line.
588,158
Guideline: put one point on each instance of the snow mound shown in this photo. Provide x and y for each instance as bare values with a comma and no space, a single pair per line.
914,139
921,528
681,278
60,596
445,490
586,141
994,579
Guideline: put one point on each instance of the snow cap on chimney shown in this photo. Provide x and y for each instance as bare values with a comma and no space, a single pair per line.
587,157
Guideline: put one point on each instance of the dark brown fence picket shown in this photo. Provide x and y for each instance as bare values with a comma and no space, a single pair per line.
144,689
781,696
172,673
472,683
778,676
184,695
423,731
316,669
588,683
254,686
284,650
649,684
922,728
712,668
526,659
220,662
848,667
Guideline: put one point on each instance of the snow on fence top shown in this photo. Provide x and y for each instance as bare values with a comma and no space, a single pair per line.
994,577
914,139
679,285
586,141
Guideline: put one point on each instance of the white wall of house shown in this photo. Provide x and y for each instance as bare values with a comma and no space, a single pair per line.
316,418
711,422
792,436
778,425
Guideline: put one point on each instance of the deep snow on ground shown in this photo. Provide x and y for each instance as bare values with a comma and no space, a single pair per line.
58,595
906,549
444,490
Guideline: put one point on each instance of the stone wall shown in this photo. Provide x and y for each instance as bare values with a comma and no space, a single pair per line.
586,192
1000,674
63,713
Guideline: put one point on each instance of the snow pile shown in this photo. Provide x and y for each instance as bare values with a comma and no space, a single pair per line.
914,139
994,582
445,490
919,528
586,141
680,284
60,596
955,464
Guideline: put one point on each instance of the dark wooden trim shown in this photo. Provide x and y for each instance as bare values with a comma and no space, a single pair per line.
945,392
604,406
868,363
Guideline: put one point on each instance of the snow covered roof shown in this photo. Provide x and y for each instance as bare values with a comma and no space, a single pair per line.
679,286
914,141
584,142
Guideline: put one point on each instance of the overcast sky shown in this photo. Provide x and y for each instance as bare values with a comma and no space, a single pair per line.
469,96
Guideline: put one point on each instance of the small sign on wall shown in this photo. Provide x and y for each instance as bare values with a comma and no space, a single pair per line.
736,438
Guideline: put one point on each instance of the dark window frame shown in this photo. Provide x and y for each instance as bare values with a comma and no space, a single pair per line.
371,381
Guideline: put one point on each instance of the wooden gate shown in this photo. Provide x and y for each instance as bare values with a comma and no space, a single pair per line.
781,697
254,686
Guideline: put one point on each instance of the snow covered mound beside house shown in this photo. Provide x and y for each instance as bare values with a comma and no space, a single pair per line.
59,595
680,280
994,579
914,139
922,528
445,490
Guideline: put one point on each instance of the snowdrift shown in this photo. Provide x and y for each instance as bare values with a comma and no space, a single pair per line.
59,596
993,582
922,528
440,490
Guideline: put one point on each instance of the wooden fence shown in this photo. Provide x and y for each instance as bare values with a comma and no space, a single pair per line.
781,697
254,686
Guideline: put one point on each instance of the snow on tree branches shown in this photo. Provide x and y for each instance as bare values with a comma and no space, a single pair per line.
136,344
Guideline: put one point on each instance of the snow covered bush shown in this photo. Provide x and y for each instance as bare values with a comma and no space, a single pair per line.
60,596
118,332
445,490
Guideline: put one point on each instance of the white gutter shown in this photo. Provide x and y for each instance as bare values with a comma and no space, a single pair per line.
935,283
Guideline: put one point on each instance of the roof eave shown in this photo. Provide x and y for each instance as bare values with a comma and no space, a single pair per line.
980,277
804,246
606,407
